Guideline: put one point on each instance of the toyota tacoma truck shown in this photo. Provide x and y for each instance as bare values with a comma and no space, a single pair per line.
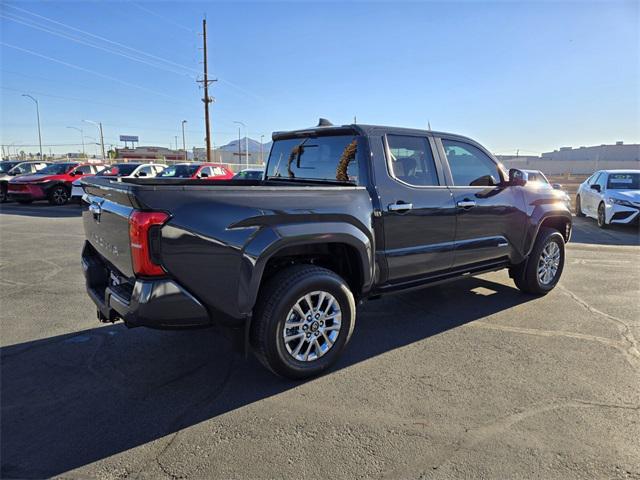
342,214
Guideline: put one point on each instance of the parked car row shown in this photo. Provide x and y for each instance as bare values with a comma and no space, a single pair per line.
59,183
610,196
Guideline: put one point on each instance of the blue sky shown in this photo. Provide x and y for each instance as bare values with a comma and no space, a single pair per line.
532,76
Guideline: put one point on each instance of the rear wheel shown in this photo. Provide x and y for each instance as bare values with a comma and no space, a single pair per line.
59,195
579,207
302,322
602,219
540,273
3,193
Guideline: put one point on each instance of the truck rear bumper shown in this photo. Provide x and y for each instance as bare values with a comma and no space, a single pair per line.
158,303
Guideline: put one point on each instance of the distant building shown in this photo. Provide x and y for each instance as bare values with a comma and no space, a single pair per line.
602,153
582,160
150,154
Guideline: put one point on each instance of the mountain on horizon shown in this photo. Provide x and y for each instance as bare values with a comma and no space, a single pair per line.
254,146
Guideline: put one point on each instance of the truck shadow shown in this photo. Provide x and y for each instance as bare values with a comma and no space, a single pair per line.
41,209
74,399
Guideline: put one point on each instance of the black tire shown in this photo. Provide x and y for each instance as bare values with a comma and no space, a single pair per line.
59,195
602,219
277,298
3,193
579,207
525,275
24,202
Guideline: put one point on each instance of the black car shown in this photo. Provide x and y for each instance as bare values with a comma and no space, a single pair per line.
343,213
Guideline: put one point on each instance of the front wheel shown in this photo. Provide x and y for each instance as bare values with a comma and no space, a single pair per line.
59,195
540,273
304,318
602,219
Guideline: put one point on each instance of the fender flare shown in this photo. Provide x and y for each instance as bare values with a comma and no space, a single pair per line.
267,242
537,219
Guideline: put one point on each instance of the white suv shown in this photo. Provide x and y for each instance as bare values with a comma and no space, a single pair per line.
610,196
120,170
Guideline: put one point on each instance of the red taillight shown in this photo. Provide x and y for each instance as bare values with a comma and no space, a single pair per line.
140,224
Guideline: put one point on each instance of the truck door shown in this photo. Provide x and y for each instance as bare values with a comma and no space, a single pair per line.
490,217
417,209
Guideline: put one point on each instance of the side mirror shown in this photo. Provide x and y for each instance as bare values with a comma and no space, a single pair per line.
72,174
517,177
204,175
556,186
596,187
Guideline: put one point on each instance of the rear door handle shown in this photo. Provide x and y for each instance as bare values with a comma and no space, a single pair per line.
395,207
466,204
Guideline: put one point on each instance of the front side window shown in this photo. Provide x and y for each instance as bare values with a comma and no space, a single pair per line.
469,165
411,160
602,181
624,181
332,158
84,170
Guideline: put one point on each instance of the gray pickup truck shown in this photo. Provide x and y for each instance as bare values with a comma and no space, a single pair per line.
342,214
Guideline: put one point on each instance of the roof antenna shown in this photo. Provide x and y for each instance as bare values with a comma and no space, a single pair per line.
429,125
355,120
323,122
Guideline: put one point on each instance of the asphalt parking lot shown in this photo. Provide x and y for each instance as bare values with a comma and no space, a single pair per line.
471,379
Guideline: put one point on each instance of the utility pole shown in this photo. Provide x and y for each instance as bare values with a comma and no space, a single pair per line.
206,82
184,144
38,116
239,147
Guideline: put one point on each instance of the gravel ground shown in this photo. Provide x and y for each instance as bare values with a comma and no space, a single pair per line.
470,379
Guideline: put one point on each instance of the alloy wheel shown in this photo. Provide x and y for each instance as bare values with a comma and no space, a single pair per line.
60,196
548,263
312,326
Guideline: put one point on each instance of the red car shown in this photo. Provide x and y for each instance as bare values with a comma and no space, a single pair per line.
210,171
52,183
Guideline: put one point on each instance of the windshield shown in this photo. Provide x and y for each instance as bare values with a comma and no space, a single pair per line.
119,170
624,181
6,166
332,158
179,171
57,169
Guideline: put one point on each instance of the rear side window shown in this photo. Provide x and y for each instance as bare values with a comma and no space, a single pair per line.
331,158
469,165
411,160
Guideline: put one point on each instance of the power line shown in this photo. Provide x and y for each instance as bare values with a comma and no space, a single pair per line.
77,67
132,49
168,20
33,25
175,64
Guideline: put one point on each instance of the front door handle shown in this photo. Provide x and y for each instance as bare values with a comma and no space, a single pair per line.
466,204
398,207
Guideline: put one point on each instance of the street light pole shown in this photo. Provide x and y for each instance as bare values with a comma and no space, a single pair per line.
81,137
184,144
99,125
262,149
38,116
246,142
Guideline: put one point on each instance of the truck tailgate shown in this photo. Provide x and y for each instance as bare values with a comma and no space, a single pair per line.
106,226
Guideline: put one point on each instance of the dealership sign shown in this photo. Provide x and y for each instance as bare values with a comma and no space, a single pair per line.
128,138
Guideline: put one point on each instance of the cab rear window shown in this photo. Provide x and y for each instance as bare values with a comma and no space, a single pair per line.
332,158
